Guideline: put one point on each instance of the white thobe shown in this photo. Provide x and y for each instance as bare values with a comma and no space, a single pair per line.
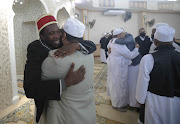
103,56
77,105
158,109
133,72
108,77
118,61
153,46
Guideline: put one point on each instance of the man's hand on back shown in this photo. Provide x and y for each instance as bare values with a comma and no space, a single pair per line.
75,77
67,50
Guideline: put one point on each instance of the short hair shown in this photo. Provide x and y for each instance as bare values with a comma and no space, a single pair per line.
70,37
163,43
141,29
114,36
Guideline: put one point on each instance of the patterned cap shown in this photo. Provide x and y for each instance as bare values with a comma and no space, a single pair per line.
45,20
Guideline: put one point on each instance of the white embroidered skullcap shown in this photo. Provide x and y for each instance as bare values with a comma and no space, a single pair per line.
160,24
164,34
117,31
74,27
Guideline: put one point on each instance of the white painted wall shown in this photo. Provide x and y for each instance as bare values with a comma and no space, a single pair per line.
79,12
172,19
6,78
62,16
25,29
107,23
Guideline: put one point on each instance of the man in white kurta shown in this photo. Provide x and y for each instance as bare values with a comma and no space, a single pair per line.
133,69
118,61
160,109
77,105
153,46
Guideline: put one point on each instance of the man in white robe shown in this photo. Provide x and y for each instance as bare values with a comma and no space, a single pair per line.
77,105
158,81
153,46
118,61
133,69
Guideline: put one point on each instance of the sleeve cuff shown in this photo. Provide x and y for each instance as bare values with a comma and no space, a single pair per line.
62,85
83,49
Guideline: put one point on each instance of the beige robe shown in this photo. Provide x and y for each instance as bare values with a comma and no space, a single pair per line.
77,105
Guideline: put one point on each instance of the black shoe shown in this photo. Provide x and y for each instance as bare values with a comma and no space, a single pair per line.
119,109
138,110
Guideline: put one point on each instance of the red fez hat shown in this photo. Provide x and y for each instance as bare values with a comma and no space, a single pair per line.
44,21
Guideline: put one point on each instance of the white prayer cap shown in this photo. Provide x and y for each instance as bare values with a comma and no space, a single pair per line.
160,24
164,34
74,27
117,31
105,34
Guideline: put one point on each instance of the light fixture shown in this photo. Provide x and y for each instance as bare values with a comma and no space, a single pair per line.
18,1
58,1
78,1
113,12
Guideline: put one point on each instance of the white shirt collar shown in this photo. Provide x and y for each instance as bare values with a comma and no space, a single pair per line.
142,38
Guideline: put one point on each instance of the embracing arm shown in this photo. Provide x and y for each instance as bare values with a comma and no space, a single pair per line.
33,85
88,46
124,51
145,68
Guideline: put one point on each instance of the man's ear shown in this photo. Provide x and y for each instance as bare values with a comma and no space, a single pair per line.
155,42
64,36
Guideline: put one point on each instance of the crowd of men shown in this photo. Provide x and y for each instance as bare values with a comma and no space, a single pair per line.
144,72
58,73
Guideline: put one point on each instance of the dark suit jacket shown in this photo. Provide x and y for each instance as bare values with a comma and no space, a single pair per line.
42,91
144,45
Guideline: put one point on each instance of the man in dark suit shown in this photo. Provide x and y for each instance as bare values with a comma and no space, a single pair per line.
37,51
104,42
143,41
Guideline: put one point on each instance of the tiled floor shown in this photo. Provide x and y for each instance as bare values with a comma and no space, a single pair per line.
23,111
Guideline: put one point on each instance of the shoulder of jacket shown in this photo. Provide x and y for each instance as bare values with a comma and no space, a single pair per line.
137,37
34,45
147,37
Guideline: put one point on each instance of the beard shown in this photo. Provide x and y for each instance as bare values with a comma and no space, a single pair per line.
56,45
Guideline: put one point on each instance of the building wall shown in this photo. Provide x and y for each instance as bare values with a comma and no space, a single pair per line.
172,19
25,29
62,15
5,70
107,23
